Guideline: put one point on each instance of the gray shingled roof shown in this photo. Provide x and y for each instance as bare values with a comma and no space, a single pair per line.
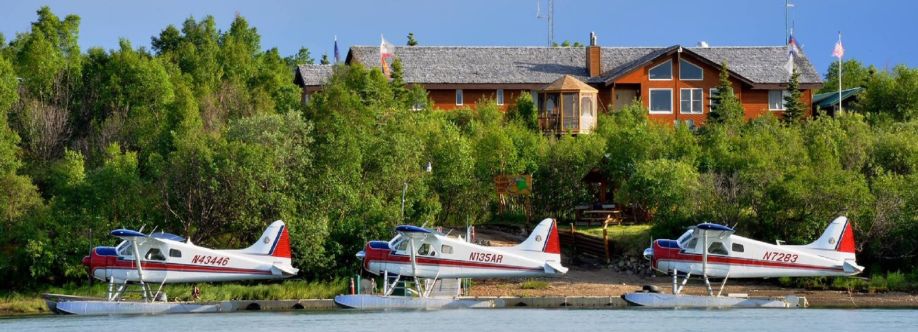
542,65
765,64
311,75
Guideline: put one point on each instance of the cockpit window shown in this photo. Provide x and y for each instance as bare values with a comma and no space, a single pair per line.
446,249
401,246
125,249
691,244
717,248
154,255
424,249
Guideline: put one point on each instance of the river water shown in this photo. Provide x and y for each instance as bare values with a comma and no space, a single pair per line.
565,320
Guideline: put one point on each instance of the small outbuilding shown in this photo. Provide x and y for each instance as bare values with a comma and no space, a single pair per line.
567,105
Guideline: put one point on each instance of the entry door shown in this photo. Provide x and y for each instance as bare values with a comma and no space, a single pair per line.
624,97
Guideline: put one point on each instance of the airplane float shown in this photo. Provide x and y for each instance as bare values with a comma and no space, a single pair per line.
161,258
714,251
427,256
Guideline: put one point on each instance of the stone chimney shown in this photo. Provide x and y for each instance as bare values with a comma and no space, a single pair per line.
594,57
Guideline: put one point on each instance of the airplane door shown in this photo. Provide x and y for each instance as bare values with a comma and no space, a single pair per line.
717,267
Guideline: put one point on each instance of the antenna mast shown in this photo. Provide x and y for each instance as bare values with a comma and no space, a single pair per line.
550,18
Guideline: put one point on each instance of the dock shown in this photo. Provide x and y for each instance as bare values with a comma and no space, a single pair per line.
595,302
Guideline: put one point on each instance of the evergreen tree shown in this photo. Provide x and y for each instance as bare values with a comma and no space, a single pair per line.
302,57
411,40
727,107
398,80
794,109
325,60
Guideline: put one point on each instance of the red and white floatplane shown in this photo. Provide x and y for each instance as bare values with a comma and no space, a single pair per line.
142,260
714,251
425,266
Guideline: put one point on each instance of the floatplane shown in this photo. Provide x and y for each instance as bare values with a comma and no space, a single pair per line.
142,260
428,261
714,251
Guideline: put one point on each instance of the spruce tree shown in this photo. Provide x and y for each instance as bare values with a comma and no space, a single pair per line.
325,60
411,40
794,109
398,80
728,107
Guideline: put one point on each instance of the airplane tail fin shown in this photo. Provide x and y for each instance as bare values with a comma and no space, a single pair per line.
275,241
838,237
544,238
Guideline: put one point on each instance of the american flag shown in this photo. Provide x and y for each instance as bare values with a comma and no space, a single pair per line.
839,51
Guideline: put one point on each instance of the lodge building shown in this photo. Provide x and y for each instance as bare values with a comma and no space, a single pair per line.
571,85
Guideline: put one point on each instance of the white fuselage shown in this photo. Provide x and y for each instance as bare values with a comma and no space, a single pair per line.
179,262
444,257
740,257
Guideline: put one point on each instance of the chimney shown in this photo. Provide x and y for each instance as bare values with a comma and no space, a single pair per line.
594,57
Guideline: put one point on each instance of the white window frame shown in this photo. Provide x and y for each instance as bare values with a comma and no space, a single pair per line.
784,93
650,101
670,62
690,63
459,97
682,111
710,98
500,97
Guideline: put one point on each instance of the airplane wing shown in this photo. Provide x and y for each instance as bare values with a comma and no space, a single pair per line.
413,232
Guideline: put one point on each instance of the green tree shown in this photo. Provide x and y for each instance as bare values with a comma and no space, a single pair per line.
411,40
854,74
524,111
302,57
892,95
727,107
325,60
794,109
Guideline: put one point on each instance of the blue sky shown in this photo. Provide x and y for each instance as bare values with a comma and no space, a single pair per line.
879,32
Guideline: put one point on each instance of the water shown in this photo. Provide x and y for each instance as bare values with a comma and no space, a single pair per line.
565,320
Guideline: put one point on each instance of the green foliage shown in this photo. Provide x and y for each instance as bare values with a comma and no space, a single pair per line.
854,75
892,95
728,108
411,40
525,112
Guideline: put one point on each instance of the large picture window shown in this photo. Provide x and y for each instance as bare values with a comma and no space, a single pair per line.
661,100
690,101
689,71
663,71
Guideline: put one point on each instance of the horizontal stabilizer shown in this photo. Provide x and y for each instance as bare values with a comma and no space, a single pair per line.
283,270
554,267
852,267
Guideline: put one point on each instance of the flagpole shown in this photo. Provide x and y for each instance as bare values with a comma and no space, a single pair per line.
839,77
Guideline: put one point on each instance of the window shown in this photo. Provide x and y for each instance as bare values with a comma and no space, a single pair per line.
717,248
125,249
738,247
663,71
535,98
424,249
175,253
714,96
691,244
586,106
459,97
500,96
401,246
661,100
551,101
571,113
689,71
690,101
446,249
154,255
776,100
